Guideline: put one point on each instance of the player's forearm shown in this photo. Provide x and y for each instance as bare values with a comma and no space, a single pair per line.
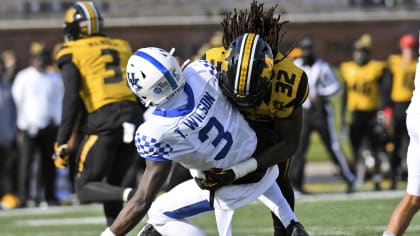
137,207
129,217
288,131
149,186
275,154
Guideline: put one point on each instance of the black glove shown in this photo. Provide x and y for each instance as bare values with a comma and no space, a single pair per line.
223,177
215,178
206,184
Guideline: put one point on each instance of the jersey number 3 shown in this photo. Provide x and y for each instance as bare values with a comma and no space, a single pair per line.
113,65
221,134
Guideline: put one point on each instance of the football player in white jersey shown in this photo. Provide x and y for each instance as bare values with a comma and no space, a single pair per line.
410,204
189,121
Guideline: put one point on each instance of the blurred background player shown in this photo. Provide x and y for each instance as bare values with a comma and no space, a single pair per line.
93,68
38,93
10,68
277,119
410,203
10,65
8,198
318,115
403,68
364,85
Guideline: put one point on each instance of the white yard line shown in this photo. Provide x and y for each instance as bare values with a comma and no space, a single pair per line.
63,221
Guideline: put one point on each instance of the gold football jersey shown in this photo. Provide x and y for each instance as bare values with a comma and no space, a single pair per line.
402,78
289,87
102,64
362,84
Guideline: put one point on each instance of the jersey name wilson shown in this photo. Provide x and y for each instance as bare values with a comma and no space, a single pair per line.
199,114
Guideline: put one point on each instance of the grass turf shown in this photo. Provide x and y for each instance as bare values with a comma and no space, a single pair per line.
321,214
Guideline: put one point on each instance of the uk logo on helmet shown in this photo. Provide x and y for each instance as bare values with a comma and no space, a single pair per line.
133,81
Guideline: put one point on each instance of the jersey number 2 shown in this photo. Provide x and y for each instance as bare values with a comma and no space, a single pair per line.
221,134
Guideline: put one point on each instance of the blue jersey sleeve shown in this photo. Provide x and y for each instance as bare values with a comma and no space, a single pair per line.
151,149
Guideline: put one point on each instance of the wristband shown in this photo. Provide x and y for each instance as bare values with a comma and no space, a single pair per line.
245,167
108,232
197,174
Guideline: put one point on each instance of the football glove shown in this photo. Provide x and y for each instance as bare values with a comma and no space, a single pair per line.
206,184
216,178
60,156
222,177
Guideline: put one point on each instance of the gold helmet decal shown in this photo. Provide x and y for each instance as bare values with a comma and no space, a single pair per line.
243,75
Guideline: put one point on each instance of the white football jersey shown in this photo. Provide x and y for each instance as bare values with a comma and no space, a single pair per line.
321,79
206,133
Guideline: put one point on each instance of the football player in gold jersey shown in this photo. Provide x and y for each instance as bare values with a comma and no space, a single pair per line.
403,68
93,68
364,83
273,109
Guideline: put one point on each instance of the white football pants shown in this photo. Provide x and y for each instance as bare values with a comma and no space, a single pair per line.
170,212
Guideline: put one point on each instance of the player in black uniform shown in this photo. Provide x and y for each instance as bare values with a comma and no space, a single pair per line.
274,111
93,68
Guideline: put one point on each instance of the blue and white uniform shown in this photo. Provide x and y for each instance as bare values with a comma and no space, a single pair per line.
203,132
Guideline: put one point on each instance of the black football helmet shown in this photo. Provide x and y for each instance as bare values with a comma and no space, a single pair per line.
81,20
249,73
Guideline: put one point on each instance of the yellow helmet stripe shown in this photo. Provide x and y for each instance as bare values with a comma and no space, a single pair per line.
92,17
244,72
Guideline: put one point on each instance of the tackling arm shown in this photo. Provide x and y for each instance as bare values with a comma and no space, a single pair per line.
275,147
151,182
288,131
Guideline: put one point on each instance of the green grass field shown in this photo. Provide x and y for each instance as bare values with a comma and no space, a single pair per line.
363,214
